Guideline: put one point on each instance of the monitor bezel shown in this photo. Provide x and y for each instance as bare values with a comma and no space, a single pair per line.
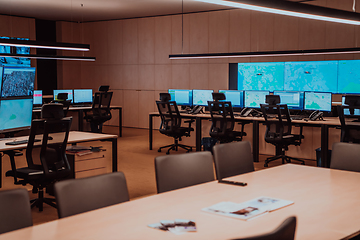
301,100
317,109
201,90
8,130
75,90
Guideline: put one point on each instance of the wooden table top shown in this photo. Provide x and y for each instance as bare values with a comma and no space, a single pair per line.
326,204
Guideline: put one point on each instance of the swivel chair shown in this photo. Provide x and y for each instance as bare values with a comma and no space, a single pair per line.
53,164
171,124
350,129
62,98
100,111
279,131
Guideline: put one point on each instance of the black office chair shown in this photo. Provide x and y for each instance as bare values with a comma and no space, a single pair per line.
279,132
15,211
350,128
345,156
233,159
183,170
286,231
53,164
171,125
100,112
223,122
76,196
62,98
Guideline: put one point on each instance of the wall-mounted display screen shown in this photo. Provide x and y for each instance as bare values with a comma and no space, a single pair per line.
235,97
37,99
253,99
261,76
17,82
68,91
15,114
349,76
317,101
201,97
182,97
294,100
83,96
12,61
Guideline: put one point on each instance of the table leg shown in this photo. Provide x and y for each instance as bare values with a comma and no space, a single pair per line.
198,133
80,120
114,155
1,170
150,131
255,140
120,122
324,146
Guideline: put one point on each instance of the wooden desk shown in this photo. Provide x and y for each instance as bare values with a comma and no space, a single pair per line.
81,110
324,125
325,204
74,138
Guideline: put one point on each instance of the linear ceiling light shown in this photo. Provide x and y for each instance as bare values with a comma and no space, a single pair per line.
293,9
53,57
267,53
47,45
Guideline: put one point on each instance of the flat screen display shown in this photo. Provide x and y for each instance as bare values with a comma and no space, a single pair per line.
12,61
317,101
311,76
349,76
347,111
15,114
182,97
261,76
201,97
235,97
68,91
253,99
37,99
83,96
294,100
18,82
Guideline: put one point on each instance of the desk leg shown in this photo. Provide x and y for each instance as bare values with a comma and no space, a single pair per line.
150,131
198,134
255,140
120,122
80,120
114,155
324,146
0,170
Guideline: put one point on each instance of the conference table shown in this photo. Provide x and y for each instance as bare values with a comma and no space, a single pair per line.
325,205
328,122
81,110
75,137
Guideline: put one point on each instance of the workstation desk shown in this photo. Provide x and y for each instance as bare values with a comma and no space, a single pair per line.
74,138
81,110
324,125
325,204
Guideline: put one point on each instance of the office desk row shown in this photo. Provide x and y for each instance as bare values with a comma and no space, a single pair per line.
74,138
80,111
324,125
325,204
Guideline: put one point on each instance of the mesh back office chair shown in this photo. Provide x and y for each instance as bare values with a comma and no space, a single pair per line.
223,122
345,156
100,111
286,231
279,132
15,210
233,159
53,164
62,98
171,124
183,170
76,196
350,128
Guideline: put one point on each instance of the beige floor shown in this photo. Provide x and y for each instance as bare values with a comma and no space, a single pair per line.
137,162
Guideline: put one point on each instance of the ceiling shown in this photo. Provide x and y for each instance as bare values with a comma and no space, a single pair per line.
97,10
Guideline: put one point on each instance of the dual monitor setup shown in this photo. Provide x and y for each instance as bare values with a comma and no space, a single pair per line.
296,100
76,96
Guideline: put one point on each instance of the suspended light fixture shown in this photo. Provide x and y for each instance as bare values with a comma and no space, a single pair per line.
53,57
47,45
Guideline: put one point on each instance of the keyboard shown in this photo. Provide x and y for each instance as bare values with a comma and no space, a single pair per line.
297,117
82,105
20,142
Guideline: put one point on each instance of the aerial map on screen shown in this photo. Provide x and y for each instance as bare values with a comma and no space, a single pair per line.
261,76
349,76
311,76
15,113
318,101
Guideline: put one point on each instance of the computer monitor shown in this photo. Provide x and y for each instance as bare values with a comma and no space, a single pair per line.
253,99
15,114
182,97
318,101
37,99
347,111
68,91
236,97
17,82
201,97
294,100
83,96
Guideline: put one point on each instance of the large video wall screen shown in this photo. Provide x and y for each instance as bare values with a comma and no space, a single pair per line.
323,76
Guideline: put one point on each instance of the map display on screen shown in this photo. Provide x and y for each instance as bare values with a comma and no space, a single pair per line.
317,101
15,114
181,96
233,96
253,99
311,76
201,97
261,76
18,82
349,76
